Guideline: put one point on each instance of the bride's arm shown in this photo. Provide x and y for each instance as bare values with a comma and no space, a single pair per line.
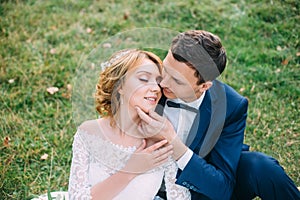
79,187
111,186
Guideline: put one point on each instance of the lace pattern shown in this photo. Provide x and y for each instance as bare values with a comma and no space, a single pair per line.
108,154
79,188
173,190
91,152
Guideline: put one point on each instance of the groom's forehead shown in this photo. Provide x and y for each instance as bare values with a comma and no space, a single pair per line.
179,73
170,65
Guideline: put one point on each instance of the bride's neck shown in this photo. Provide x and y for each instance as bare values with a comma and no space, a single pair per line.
127,122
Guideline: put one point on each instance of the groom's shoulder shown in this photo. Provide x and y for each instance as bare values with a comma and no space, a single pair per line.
233,98
229,90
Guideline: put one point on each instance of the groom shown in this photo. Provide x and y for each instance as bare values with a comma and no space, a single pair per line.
210,118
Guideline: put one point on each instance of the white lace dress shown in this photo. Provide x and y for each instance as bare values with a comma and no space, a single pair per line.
95,159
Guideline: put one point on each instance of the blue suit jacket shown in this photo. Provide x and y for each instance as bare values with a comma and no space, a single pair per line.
216,138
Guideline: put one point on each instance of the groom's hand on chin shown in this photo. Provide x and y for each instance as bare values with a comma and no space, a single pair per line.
155,127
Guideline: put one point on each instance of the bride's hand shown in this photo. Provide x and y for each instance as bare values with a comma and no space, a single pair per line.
147,158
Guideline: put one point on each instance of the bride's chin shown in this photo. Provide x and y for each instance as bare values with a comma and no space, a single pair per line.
146,109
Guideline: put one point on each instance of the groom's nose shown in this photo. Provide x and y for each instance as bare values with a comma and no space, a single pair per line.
165,81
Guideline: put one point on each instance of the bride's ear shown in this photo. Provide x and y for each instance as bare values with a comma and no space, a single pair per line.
121,91
119,87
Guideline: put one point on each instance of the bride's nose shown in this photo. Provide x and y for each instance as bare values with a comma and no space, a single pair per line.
154,87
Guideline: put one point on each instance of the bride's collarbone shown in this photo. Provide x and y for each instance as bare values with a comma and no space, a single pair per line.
123,139
116,136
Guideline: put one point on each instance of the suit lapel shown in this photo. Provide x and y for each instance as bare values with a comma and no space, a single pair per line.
200,124
217,118
203,134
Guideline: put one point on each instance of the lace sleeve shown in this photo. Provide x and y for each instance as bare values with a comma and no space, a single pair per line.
173,190
79,187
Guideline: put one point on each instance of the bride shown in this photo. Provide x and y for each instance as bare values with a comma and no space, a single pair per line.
110,158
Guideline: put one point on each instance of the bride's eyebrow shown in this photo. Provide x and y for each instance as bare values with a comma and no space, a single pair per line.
140,72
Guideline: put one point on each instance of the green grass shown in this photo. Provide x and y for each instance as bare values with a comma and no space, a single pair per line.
261,38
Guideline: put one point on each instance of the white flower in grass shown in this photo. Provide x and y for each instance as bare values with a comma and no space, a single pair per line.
52,90
53,51
106,45
89,30
44,156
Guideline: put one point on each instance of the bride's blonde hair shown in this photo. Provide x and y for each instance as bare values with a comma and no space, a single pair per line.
107,98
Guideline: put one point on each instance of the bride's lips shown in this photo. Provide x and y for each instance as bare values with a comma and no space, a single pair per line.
151,100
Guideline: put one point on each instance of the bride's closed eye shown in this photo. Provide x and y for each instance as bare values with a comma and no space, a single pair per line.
144,79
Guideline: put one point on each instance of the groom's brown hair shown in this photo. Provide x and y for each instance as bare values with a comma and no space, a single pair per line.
202,51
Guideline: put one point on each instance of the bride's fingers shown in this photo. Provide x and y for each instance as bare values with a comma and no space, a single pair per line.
162,151
161,161
156,146
142,146
163,157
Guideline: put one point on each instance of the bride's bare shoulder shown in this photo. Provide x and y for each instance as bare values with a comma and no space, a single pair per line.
93,126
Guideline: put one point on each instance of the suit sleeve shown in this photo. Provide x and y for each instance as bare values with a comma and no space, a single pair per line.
214,176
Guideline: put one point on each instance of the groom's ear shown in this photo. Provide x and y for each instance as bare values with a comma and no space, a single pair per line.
205,86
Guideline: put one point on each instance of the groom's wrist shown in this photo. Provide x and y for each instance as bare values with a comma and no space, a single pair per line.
179,148
184,160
